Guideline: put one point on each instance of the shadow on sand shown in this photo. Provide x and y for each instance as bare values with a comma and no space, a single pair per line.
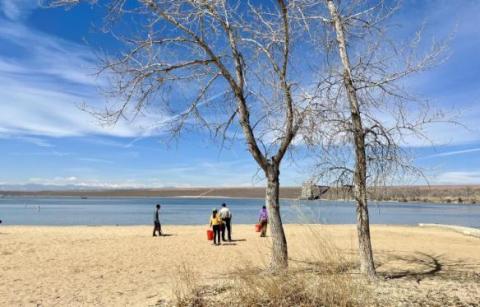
233,242
420,265
239,240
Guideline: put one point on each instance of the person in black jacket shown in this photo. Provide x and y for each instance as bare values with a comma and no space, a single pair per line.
156,222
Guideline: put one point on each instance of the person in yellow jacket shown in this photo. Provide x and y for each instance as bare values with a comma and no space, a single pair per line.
216,223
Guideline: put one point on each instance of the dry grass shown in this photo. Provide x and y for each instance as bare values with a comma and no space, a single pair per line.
437,194
297,288
322,277
186,287
260,288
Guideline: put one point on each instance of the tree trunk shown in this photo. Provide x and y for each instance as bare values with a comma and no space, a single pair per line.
279,242
367,266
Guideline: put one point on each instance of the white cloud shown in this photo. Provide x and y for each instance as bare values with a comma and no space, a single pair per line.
444,134
452,153
96,160
459,177
17,9
28,139
36,141
82,183
218,174
40,90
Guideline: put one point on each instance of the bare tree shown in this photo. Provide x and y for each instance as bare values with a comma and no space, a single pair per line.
366,115
235,56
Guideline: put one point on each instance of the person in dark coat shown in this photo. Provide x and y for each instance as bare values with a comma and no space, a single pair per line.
157,227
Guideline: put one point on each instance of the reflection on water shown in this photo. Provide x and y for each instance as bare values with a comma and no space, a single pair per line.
139,211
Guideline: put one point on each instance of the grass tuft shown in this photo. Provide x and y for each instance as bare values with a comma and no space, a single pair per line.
320,276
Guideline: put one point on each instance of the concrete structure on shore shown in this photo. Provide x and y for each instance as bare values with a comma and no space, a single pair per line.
311,191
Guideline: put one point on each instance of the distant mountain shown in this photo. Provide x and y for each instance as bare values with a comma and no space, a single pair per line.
99,191
35,187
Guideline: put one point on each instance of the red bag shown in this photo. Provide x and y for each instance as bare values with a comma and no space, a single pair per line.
209,235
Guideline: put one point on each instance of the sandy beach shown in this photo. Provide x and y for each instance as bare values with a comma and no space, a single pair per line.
118,266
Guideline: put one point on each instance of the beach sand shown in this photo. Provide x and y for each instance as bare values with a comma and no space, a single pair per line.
118,266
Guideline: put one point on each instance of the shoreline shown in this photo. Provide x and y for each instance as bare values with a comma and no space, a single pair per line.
468,231
465,230
216,197
373,202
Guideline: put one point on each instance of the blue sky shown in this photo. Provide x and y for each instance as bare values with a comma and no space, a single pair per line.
47,62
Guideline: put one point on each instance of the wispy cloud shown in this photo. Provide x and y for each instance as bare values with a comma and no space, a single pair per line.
41,142
18,9
451,86
201,174
43,79
51,153
36,141
451,153
454,177
96,160
73,181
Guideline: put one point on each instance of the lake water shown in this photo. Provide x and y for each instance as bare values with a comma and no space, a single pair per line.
189,211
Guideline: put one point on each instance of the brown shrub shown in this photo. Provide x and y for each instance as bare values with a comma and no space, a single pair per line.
322,277
297,288
186,288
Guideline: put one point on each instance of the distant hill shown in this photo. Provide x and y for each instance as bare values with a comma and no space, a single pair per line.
240,192
33,187
465,194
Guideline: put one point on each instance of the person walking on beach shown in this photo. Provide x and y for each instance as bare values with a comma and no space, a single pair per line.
216,223
263,221
156,221
226,217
